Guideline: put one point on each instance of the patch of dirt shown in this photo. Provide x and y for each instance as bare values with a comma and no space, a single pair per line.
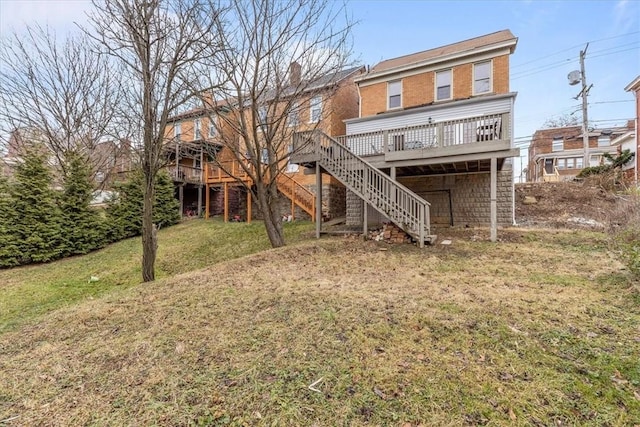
574,205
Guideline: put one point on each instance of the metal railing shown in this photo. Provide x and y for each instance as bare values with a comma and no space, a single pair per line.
401,205
445,133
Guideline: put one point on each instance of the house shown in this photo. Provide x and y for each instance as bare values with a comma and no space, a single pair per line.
433,142
217,171
557,154
109,160
634,87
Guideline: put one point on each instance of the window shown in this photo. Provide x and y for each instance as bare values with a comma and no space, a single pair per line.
579,162
212,130
394,94
557,144
294,116
443,85
177,130
315,113
197,134
594,160
291,167
482,77
561,164
571,163
604,141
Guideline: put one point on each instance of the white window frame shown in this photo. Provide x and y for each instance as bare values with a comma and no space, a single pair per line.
294,114
557,144
476,79
602,139
315,104
177,130
212,129
443,72
394,89
197,129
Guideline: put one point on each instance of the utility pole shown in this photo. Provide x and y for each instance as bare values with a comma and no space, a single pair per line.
585,120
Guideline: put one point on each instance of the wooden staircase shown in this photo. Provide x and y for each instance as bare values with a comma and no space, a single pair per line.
299,195
402,206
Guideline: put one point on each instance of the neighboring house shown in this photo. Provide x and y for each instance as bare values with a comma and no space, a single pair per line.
634,87
109,160
557,154
433,141
324,105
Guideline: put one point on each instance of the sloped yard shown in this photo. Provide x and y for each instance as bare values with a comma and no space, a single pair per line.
540,329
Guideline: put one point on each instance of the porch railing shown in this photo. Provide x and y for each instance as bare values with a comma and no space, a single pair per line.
434,135
183,173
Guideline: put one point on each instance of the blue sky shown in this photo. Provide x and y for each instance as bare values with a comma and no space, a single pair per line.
550,37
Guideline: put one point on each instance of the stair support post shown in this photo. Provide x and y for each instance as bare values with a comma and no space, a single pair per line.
318,200
422,224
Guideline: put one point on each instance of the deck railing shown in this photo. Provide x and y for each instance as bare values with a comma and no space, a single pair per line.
183,173
401,205
441,134
226,171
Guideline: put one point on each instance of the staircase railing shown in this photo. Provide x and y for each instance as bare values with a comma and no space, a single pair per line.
298,194
401,205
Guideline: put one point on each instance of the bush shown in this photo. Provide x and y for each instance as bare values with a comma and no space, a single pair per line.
124,211
624,229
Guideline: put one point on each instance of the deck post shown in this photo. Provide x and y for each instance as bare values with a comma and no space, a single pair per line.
318,201
181,198
226,202
423,211
493,200
249,205
206,201
199,200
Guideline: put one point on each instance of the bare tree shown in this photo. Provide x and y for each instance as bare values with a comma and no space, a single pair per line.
58,95
160,44
560,121
278,56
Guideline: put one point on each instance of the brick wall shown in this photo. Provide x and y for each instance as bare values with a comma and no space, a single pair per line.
419,89
469,198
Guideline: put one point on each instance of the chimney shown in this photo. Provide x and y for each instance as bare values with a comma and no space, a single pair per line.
295,73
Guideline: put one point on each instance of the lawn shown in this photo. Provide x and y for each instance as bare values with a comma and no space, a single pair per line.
542,328
28,292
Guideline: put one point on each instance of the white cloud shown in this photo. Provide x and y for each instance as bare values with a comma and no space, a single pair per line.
60,15
623,16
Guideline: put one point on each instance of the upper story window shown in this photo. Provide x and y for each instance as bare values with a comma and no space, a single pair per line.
315,113
604,141
294,114
212,130
197,133
557,144
443,85
482,77
394,94
177,130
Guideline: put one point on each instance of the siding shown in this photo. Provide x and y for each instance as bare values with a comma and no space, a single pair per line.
453,111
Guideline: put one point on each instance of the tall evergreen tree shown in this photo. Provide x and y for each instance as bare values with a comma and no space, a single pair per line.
38,220
9,254
124,212
82,226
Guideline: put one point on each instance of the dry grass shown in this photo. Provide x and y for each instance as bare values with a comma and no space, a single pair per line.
541,329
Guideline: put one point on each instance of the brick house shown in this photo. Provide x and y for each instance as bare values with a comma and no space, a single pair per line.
557,154
433,142
634,142
324,105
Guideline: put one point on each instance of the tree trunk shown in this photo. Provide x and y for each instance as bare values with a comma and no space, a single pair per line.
149,231
272,219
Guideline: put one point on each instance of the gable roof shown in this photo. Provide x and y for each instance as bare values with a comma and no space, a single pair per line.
503,38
